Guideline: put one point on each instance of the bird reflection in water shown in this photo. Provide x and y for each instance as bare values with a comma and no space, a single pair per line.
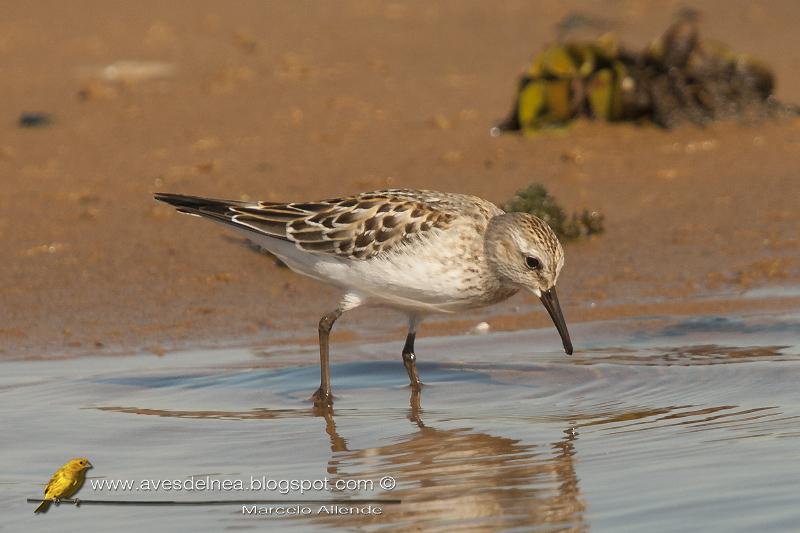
446,478
462,479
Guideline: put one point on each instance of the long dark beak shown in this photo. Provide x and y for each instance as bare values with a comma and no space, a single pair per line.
550,301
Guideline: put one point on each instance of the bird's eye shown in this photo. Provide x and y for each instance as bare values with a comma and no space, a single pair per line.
533,263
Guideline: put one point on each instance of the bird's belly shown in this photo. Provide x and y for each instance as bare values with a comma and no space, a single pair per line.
413,283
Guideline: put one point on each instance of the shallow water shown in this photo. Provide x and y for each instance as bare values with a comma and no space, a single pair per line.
654,424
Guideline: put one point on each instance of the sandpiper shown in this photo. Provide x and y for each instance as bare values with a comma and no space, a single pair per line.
417,251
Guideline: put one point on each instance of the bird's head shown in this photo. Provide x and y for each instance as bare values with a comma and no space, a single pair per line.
523,250
78,464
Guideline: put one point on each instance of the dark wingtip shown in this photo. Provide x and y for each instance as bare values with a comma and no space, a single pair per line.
192,205
196,202
173,199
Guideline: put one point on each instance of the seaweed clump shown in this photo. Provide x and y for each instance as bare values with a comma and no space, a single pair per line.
680,77
536,201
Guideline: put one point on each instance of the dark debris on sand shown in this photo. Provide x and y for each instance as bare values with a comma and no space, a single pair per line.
537,201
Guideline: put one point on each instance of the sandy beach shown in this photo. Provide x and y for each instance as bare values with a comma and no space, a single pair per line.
303,101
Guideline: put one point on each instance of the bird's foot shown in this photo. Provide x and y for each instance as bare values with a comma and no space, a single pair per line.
57,501
322,398
77,502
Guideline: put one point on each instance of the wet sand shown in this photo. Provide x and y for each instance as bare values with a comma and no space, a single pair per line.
304,101
653,417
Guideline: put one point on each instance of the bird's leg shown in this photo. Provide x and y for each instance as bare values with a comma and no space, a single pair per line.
323,396
415,412
409,359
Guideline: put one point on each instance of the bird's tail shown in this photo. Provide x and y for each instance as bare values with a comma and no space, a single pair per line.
43,507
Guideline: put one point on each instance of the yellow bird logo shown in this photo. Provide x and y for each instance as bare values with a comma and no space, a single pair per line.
66,482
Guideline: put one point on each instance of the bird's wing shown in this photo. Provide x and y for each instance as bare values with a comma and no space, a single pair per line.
74,485
54,486
355,227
